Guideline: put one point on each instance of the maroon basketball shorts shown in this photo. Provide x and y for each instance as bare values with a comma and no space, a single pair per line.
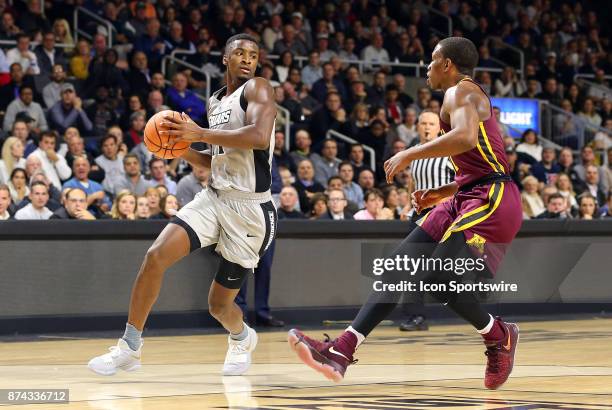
489,216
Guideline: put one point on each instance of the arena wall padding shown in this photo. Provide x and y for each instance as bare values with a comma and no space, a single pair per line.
80,273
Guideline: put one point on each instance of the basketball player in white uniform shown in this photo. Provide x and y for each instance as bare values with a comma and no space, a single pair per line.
235,212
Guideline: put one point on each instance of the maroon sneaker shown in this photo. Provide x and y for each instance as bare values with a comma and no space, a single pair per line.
322,356
500,355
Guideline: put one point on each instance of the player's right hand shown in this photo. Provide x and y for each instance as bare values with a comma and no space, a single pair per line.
425,198
182,128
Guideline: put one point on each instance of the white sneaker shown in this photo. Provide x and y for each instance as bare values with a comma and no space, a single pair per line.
120,357
238,357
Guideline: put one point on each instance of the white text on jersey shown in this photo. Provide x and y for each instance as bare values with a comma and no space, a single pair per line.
221,118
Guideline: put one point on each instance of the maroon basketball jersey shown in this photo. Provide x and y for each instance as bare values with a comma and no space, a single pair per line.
487,157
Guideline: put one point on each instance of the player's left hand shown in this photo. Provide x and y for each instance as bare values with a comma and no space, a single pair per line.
395,164
181,128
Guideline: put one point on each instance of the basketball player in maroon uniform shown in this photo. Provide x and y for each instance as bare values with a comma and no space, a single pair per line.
480,212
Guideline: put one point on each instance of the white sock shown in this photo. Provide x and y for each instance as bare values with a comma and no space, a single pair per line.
132,336
488,327
360,337
242,335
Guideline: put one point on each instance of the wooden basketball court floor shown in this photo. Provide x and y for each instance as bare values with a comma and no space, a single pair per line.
560,365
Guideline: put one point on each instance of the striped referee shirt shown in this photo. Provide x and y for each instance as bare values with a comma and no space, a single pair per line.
429,173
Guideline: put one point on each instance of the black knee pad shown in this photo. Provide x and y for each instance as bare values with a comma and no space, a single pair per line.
231,275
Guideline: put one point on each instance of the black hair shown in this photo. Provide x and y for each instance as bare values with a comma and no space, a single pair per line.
377,122
154,160
106,138
282,55
109,52
319,196
462,52
325,141
330,179
240,36
527,131
392,87
373,191
48,134
16,170
380,72
366,170
35,183
556,195
345,163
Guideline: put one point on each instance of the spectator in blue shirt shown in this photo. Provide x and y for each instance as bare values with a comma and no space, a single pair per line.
159,176
182,100
97,201
547,170
313,71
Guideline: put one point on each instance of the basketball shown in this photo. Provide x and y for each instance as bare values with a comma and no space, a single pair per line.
156,143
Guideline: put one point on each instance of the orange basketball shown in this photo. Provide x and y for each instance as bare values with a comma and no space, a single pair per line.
156,143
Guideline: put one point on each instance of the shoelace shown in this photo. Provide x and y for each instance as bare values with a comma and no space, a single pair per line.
115,352
236,348
492,354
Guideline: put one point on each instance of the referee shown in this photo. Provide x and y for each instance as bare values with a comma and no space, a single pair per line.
426,173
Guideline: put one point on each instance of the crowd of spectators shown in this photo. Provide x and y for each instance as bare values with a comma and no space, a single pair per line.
73,112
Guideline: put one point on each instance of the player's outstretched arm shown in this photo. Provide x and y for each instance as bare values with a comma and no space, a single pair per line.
260,115
462,103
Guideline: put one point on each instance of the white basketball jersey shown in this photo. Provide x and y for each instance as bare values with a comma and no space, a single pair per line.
246,170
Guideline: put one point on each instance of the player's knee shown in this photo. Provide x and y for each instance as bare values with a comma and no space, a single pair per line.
218,309
155,257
